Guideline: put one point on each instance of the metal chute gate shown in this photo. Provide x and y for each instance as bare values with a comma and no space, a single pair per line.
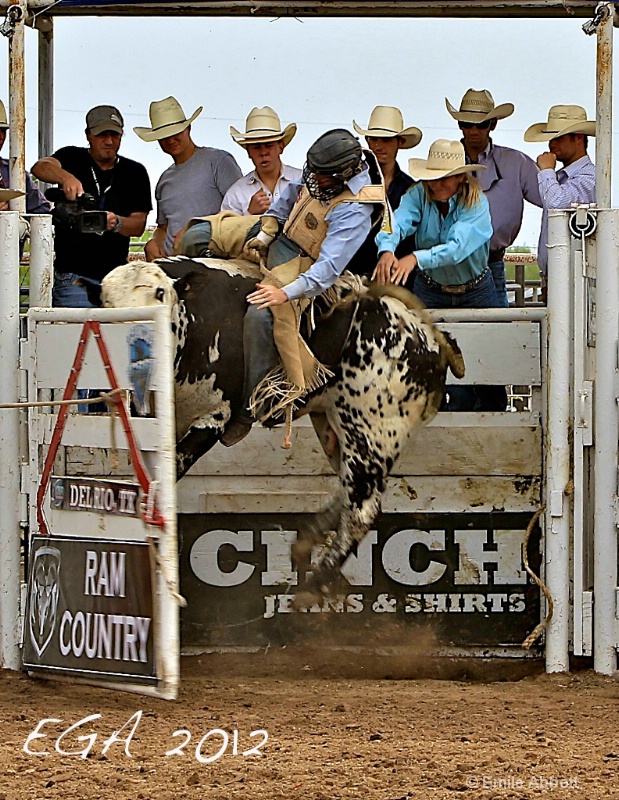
101,603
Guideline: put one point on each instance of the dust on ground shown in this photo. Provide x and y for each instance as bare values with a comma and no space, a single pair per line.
340,726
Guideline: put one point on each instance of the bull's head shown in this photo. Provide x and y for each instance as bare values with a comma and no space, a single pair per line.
138,283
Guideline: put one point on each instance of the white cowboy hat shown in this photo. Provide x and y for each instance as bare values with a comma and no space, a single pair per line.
478,106
561,120
9,194
4,120
262,126
167,118
387,122
444,159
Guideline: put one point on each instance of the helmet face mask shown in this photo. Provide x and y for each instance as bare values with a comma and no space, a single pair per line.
321,189
337,155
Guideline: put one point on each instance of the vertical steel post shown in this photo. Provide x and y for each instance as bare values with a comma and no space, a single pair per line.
41,260
606,431
10,580
166,500
557,441
45,27
604,109
17,108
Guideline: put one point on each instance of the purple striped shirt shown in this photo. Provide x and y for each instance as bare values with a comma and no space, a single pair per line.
509,179
572,184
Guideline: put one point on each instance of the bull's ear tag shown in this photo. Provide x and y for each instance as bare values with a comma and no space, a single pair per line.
141,366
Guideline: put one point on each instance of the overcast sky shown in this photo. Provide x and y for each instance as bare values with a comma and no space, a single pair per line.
319,73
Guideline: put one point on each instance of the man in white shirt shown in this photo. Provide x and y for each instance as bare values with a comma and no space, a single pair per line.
566,130
264,140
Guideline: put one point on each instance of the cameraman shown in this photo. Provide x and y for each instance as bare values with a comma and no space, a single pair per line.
120,187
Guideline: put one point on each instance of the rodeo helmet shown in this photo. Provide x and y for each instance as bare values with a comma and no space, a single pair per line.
336,154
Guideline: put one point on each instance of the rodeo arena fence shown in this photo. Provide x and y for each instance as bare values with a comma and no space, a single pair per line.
498,532
89,500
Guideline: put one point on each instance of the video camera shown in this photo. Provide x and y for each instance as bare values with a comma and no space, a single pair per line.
80,215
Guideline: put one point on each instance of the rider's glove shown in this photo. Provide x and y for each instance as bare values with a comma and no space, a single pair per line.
256,249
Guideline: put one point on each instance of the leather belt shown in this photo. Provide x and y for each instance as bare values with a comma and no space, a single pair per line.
496,255
451,289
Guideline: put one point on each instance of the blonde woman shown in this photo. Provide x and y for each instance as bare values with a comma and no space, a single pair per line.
451,220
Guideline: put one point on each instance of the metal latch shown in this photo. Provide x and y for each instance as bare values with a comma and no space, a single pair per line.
14,15
585,412
583,221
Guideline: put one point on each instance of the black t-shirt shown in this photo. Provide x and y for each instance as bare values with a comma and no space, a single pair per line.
123,189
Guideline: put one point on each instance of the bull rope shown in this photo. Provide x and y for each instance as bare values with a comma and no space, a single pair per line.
540,627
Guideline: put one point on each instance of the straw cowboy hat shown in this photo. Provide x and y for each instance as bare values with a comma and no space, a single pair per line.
167,118
4,120
9,194
262,126
478,106
561,120
444,159
386,122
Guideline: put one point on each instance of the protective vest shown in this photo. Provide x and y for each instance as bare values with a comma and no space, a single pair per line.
307,225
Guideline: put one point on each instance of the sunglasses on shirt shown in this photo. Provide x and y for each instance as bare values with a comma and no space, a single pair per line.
465,126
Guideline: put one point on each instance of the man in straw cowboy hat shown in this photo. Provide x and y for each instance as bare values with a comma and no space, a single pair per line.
35,202
509,179
120,187
450,218
264,140
194,185
386,136
566,130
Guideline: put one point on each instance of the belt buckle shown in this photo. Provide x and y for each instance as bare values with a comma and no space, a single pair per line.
455,289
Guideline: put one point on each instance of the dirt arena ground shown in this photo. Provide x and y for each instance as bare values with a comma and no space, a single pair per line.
339,727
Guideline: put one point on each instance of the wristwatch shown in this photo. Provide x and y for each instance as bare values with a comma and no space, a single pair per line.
119,224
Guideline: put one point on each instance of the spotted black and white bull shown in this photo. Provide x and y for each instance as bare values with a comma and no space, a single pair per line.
389,363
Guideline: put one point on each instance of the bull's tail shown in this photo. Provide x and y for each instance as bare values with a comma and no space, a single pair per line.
448,345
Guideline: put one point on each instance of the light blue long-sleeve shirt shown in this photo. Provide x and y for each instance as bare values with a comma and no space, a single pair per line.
452,249
572,184
349,226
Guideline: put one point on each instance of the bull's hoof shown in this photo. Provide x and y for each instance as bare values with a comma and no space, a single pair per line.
235,432
306,599
301,552
315,589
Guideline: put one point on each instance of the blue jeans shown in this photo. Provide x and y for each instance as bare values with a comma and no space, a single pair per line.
500,284
260,353
467,398
481,296
70,292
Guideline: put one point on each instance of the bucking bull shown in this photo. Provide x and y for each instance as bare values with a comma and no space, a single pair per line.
389,364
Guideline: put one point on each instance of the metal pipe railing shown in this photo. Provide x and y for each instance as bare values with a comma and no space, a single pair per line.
557,442
605,436
10,579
